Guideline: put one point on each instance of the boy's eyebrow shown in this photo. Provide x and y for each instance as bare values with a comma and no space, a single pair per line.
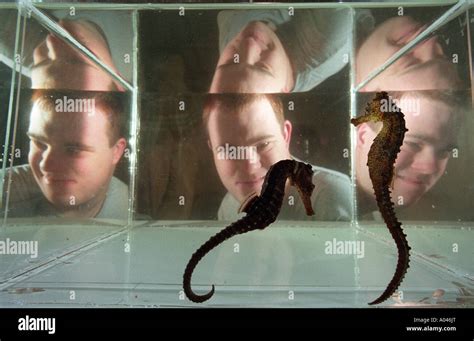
36,136
71,62
452,146
260,138
80,146
431,140
67,144
250,142
422,137
254,67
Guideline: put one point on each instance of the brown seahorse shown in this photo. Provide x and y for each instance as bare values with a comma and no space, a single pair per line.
261,211
381,160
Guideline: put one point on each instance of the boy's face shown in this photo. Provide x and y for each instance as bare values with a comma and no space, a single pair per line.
263,65
257,128
423,156
56,65
71,157
422,68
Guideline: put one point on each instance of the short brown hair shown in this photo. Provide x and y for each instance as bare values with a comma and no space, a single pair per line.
234,103
110,103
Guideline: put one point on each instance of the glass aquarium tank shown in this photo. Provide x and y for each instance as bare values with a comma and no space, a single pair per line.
133,133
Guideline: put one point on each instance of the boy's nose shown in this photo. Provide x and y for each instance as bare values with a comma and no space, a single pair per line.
250,51
55,46
50,161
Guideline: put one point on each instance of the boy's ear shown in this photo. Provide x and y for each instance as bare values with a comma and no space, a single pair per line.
365,134
287,130
361,132
119,149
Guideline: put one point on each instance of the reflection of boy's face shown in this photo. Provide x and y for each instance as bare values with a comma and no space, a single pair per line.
263,65
424,67
256,126
71,157
423,157
59,66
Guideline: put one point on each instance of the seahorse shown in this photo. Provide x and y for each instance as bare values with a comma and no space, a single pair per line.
381,160
260,211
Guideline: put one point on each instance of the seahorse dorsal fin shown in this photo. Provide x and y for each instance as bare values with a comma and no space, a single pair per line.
248,202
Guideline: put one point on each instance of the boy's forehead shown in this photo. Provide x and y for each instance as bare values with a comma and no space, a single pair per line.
424,109
434,126
52,122
244,125
255,110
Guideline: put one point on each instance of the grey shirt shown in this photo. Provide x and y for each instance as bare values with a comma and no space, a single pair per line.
27,200
331,200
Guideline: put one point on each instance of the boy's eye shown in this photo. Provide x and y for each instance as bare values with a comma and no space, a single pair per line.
444,154
264,66
412,145
263,145
39,144
73,150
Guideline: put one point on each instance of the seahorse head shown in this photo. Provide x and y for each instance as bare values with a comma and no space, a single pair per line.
302,179
380,106
376,110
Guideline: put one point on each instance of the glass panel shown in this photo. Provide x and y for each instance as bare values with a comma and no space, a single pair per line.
179,148
9,17
73,124
430,83
70,135
181,178
251,51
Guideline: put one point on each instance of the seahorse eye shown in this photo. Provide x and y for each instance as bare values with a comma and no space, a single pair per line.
297,168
